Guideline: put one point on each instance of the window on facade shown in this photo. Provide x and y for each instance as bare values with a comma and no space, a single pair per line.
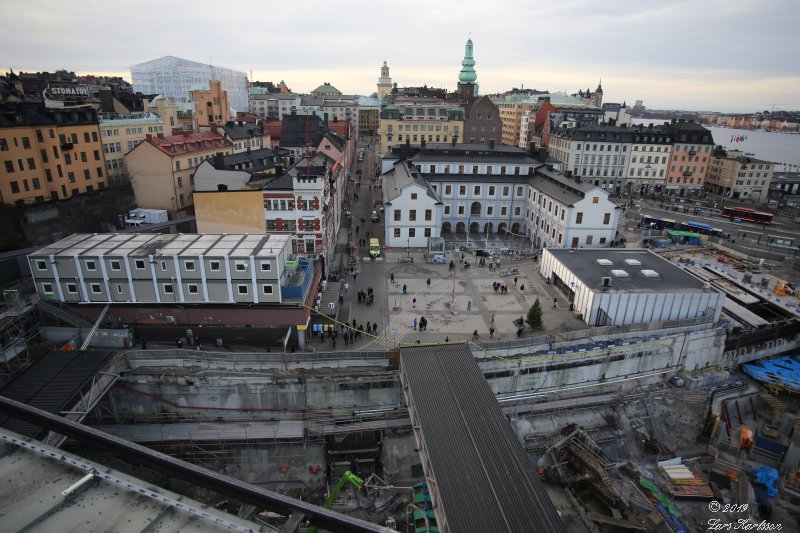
266,289
139,264
412,215
91,265
168,289
115,265
595,199
266,266
242,289
189,265
96,288
505,190
461,210
491,190
578,218
606,218
397,215
192,288
72,288
413,196
462,190
447,210
213,266
241,266
396,232
41,264
448,189
428,214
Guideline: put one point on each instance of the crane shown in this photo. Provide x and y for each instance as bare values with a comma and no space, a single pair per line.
772,107
348,476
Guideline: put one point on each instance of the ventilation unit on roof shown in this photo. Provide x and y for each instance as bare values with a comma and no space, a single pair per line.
650,274
620,274
604,262
605,281
633,262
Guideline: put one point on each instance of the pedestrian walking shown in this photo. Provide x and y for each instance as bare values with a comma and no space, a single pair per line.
429,282
414,303
359,242
414,323
392,278
522,288
555,303
354,323
447,339
515,282
346,338
491,332
404,288
475,335
368,325
469,305
374,328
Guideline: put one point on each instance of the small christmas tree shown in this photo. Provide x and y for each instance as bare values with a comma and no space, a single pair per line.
534,319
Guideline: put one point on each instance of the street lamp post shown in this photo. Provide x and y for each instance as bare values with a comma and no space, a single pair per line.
408,248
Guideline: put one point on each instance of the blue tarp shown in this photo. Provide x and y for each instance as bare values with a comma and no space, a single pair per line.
767,476
783,371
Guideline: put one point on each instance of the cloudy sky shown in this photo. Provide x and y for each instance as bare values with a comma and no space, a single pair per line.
731,55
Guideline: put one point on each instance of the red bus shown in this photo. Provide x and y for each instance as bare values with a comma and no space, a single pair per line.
747,214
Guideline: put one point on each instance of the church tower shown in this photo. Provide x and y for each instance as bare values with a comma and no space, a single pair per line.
384,82
467,78
597,95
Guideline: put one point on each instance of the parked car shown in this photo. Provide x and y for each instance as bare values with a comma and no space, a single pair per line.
375,216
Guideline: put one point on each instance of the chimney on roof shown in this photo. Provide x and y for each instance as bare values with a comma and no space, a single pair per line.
176,131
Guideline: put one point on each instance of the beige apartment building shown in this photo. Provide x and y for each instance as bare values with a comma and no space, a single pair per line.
736,175
210,105
161,168
120,137
413,120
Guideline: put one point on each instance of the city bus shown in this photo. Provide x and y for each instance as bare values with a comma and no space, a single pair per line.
699,227
374,247
746,214
654,222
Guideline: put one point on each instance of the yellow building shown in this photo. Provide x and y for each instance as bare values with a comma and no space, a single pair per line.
161,168
734,175
120,137
412,120
48,153
210,105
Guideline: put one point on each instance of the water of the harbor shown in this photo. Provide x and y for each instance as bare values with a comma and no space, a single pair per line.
780,148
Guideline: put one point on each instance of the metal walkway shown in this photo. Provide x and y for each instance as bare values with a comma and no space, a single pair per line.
70,381
479,476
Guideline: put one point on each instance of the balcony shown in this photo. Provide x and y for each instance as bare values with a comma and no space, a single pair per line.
66,146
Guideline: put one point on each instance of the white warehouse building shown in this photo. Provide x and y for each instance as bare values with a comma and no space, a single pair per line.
615,287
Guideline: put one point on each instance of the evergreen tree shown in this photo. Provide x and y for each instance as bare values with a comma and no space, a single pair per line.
534,319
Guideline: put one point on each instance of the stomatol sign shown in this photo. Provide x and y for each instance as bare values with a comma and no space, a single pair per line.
67,92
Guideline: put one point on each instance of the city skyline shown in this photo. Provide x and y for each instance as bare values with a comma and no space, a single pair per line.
661,54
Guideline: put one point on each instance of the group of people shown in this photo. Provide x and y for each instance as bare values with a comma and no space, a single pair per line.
422,323
366,297
503,288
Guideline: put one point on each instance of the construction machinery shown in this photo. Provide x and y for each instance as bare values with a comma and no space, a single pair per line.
783,288
348,476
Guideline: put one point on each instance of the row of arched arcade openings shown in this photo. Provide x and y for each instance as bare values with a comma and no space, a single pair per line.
475,227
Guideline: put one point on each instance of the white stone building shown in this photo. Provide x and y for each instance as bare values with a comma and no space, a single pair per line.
650,155
412,209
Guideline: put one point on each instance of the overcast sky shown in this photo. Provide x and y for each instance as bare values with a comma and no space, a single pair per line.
731,55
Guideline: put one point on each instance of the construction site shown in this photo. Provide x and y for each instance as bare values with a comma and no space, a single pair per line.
660,426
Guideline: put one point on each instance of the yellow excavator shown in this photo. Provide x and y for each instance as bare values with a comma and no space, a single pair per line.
784,288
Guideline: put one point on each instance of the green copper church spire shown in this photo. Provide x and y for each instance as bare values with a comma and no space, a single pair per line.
467,74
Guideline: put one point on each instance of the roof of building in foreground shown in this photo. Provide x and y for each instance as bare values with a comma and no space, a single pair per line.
35,475
630,270
174,244
186,143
